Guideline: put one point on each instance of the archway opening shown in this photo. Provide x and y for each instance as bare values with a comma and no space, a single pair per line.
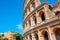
30,37
45,34
57,34
42,16
36,36
34,18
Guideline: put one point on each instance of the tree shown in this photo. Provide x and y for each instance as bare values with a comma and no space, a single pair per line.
18,36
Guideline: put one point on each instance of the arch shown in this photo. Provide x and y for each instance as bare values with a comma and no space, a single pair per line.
36,36
57,33
42,15
34,18
55,27
45,35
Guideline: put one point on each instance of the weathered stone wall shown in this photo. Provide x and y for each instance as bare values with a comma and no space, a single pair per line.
41,21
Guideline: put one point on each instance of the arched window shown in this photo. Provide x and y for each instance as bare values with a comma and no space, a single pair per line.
45,34
36,36
42,16
34,17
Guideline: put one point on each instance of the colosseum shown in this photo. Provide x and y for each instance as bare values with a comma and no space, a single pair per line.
41,20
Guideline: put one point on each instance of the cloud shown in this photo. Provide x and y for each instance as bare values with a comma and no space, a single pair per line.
20,27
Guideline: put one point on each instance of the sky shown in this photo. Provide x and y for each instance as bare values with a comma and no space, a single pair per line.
11,15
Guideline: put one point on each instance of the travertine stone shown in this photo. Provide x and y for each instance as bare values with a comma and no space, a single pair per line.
41,37
40,20
32,21
33,36
51,34
31,8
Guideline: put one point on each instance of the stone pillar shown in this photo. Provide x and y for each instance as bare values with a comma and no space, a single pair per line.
32,21
51,34
25,15
28,12
33,36
31,8
28,37
38,18
25,27
25,38
48,13
41,37
37,3
28,24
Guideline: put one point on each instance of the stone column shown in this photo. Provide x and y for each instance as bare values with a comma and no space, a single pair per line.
51,34
31,8
48,13
38,18
25,15
32,21
37,3
28,25
28,12
41,37
28,37
33,36
25,38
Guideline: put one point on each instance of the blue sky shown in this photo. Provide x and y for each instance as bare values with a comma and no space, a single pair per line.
11,15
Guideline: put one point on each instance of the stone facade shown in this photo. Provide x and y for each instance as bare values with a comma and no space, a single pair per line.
9,35
41,21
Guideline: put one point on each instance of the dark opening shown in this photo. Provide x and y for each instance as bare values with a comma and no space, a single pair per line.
30,22
36,37
42,16
35,19
57,34
30,37
46,36
17,38
50,7
58,13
